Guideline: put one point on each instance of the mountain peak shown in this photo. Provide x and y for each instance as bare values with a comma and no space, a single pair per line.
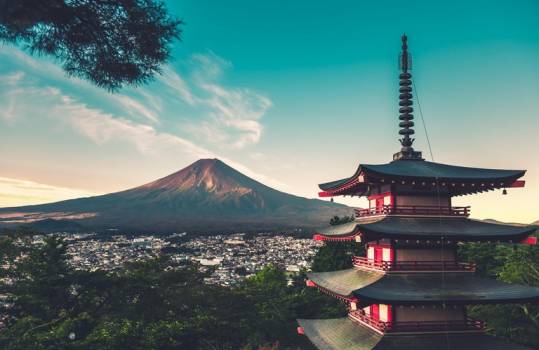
211,175
208,164
206,196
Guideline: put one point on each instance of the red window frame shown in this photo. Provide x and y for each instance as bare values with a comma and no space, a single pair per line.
379,199
379,251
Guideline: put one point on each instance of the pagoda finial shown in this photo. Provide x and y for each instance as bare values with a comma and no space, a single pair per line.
404,55
405,102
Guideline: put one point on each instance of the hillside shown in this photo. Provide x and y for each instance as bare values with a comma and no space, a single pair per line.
207,196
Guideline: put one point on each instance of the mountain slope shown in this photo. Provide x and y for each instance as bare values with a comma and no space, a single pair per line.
206,196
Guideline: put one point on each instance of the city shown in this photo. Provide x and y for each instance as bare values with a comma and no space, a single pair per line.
226,258
261,175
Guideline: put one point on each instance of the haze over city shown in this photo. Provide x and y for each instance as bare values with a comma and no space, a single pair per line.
291,94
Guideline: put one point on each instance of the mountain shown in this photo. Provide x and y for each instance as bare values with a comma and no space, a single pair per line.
494,221
207,196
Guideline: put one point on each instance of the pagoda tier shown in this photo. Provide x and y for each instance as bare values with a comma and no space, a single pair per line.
344,333
423,228
410,291
370,287
422,176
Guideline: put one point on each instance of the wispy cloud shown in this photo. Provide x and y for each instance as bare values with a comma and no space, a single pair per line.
133,106
10,81
232,115
178,85
224,116
102,128
239,110
51,72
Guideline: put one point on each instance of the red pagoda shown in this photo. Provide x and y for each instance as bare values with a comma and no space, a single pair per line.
409,291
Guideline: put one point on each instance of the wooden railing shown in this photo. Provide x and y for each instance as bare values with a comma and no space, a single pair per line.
413,210
344,298
435,265
467,324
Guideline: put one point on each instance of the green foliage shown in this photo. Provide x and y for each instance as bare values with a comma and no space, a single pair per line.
336,220
146,306
142,307
521,266
488,257
336,256
110,43
278,304
512,264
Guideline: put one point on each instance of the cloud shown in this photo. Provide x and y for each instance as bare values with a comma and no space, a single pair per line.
224,115
10,80
239,110
234,113
15,93
232,117
43,68
177,84
136,107
209,65
16,192
103,127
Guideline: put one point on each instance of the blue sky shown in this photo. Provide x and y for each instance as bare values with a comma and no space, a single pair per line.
293,93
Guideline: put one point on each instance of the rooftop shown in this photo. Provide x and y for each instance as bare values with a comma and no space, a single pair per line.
421,288
343,333
424,228
456,180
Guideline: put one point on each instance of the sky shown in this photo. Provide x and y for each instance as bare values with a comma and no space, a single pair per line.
291,93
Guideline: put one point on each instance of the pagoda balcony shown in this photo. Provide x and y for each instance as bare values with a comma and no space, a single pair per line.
412,266
413,210
466,325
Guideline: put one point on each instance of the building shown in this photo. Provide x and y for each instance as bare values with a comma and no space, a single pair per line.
409,291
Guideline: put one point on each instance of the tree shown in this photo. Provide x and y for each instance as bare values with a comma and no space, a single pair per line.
336,220
278,304
143,306
336,256
109,42
488,257
512,264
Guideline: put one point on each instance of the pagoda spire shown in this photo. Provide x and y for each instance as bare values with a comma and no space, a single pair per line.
405,105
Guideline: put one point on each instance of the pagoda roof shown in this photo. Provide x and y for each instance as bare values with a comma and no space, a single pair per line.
340,334
345,334
421,170
451,228
421,288
341,230
344,282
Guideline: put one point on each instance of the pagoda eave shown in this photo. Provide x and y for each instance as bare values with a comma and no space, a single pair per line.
407,288
456,180
435,229
449,288
343,238
351,188
343,282
346,298
343,333
372,287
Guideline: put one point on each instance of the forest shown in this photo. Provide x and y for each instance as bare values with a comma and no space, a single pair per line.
154,305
